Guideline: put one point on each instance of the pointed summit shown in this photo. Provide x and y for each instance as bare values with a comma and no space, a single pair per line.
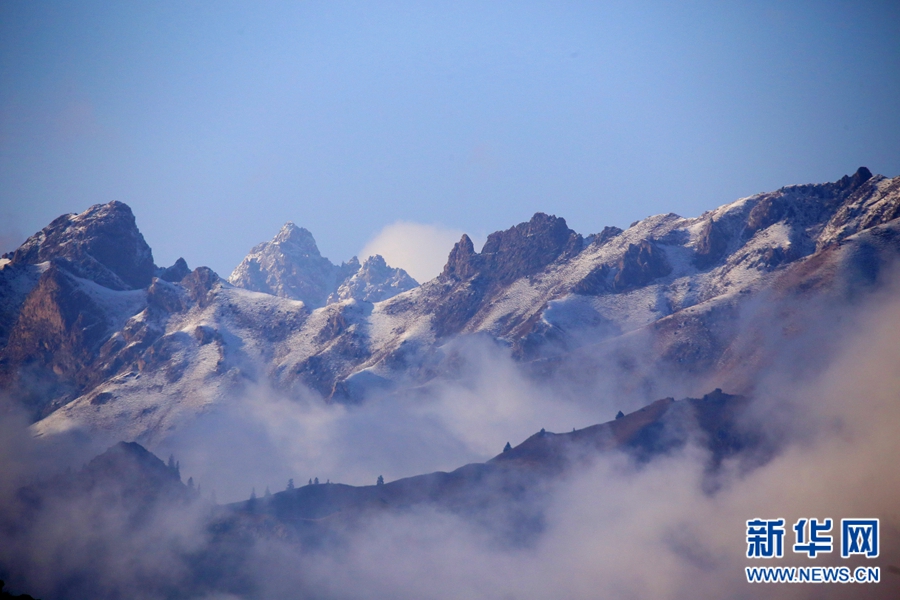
461,262
373,282
514,253
290,266
297,240
102,244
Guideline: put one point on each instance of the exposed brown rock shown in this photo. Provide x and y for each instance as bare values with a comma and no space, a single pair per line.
766,213
712,246
608,233
851,183
453,309
166,297
869,205
596,282
58,331
161,352
527,248
335,325
102,398
58,325
641,264
176,272
199,285
462,264
16,282
206,335
521,251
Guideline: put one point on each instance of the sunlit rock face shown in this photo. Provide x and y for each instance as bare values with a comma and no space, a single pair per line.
373,282
291,266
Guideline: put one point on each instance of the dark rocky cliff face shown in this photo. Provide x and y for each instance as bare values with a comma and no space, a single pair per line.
102,244
802,209
527,248
56,336
462,263
608,233
521,251
176,272
55,325
713,244
517,252
199,283
641,264
62,326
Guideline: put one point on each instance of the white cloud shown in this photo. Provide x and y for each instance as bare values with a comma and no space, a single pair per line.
420,249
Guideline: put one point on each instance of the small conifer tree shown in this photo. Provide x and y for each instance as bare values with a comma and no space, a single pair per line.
290,484
380,480
507,447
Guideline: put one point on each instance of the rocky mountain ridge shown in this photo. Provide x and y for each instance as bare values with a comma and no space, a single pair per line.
661,300
716,421
102,244
126,501
290,266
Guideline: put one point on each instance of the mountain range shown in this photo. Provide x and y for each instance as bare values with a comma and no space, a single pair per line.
95,337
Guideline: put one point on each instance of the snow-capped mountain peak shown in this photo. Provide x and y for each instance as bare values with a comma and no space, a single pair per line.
102,244
297,241
373,282
291,266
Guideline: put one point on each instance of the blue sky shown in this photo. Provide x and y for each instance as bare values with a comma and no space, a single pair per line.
217,122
